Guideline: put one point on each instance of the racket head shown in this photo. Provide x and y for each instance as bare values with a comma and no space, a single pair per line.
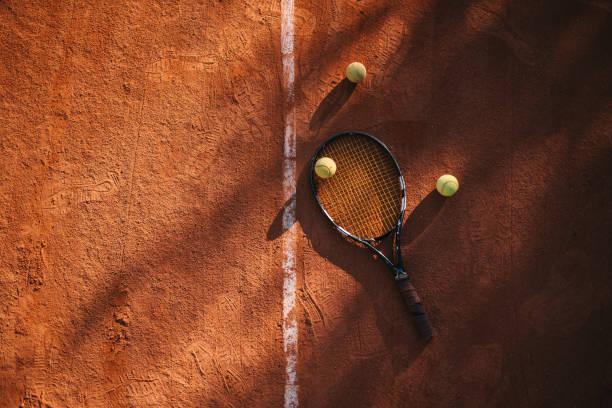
366,198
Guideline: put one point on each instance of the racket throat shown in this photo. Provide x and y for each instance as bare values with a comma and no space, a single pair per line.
400,273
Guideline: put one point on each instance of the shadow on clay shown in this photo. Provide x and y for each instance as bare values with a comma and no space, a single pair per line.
352,259
421,217
276,228
447,87
332,103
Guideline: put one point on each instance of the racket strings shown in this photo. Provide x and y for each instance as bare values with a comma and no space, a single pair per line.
370,163
364,196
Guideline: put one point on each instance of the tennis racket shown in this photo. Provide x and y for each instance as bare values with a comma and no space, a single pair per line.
365,200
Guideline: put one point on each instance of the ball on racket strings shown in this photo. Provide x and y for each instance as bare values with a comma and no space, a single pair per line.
356,72
447,185
325,167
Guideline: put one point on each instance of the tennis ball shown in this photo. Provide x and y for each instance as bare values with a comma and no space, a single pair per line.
447,185
355,72
325,167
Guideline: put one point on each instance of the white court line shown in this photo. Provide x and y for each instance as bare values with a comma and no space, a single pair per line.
290,329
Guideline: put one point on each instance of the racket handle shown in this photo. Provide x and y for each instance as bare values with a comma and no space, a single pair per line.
413,302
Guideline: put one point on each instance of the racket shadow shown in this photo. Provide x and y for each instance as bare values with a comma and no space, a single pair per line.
277,229
401,340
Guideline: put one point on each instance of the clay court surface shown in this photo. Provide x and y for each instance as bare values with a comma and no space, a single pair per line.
141,197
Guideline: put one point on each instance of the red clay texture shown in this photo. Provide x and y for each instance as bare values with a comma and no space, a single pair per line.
141,149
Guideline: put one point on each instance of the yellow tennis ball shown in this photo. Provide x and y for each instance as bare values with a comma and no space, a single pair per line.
355,72
447,185
325,167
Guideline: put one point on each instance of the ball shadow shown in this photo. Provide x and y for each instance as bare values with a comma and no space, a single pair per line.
421,217
332,103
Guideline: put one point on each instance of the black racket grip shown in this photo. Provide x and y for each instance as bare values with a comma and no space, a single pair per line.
413,302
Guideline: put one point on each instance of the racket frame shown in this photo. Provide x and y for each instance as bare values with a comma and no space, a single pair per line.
397,266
